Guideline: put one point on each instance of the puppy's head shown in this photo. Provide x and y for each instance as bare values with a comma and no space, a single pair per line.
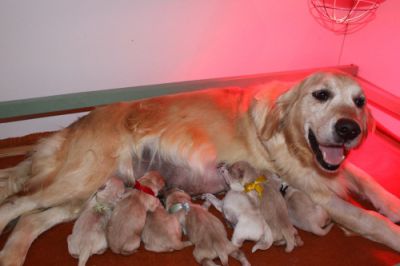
239,172
175,195
154,180
111,191
322,118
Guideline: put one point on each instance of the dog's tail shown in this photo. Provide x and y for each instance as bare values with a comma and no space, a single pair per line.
40,164
74,162
12,179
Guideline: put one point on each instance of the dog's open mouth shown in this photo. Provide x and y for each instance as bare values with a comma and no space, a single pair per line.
329,157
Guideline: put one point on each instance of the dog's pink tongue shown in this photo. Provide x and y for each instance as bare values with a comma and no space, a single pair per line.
332,155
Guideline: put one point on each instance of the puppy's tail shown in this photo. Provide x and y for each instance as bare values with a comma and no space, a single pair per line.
83,257
266,240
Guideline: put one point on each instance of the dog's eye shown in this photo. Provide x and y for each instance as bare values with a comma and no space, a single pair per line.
322,95
359,101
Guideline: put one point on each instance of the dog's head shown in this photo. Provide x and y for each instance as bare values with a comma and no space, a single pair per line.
322,118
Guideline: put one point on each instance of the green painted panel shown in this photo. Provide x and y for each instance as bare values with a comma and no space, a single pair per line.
67,103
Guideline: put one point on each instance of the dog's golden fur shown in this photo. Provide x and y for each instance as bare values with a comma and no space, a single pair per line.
264,125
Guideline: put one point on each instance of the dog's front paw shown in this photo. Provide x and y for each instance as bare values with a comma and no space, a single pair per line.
389,206
391,211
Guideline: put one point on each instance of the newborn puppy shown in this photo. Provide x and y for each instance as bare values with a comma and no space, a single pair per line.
128,218
204,230
241,209
304,213
270,203
162,232
89,232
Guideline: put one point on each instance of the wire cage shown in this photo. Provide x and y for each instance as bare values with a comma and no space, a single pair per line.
344,16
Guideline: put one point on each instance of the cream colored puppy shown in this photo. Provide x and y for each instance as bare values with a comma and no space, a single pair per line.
304,213
241,209
89,232
162,232
204,230
128,218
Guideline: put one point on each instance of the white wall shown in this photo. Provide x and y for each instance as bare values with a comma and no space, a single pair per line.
52,47
376,48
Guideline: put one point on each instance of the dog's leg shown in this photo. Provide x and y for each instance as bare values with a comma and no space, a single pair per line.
14,208
29,227
362,183
213,200
369,224
241,257
54,195
183,244
208,262
237,237
12,179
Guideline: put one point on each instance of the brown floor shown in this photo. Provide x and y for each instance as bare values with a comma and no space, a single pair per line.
376,156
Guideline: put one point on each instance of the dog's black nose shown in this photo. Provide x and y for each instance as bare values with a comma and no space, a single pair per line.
347,129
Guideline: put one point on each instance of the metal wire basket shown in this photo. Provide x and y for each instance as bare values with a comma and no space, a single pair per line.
344,16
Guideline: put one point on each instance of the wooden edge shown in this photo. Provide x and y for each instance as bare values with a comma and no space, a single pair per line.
15,151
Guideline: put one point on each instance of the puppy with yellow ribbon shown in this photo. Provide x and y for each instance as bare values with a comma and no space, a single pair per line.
240,207
255,195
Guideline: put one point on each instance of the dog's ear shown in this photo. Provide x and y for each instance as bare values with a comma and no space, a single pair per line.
272,122
369,122
281,111
277,115
263,106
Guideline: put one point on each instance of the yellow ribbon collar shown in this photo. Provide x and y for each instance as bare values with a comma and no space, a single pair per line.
256,185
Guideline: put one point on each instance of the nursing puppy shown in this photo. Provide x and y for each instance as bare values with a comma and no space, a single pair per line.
302,132
204,230
162,232
245,179
271,203
128,218
89,232
303,212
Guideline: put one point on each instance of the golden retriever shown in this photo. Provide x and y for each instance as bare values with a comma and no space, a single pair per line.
303,134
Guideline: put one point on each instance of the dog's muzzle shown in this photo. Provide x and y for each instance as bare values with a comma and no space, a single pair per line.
328,157
347,129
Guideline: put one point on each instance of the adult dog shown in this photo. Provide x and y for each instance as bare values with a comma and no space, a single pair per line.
303,134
